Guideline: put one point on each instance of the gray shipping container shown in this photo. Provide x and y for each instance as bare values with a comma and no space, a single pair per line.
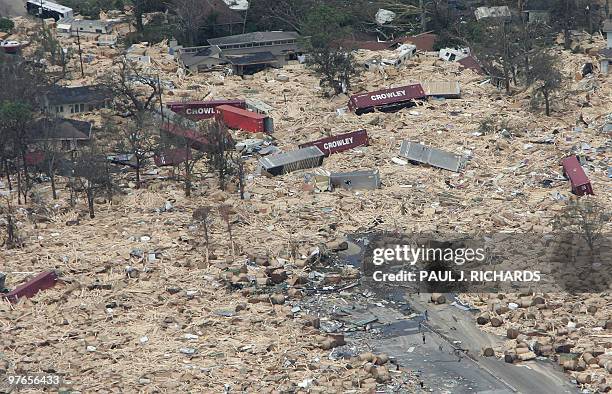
432,156
300,159
356,180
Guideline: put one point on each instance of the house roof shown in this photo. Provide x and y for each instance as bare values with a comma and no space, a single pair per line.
61,129
606,53
77,94
607,26
258,36
471,63
252,58
424,41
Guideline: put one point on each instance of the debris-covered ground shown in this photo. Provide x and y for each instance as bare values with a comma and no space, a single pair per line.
141,308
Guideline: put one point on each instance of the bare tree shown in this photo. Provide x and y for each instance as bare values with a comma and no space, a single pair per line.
238,162
546,75
226,211
220,154
135,91
202,217
191,16
12,239
140,140
584,217
92,176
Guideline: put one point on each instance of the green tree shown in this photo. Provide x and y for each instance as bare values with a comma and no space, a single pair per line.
6,25
335,67
324,24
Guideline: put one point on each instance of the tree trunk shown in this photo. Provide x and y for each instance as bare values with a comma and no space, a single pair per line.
18,186
187,180
53,189
90,203
138,15
566,38
8,176
137,172
546,100
527,72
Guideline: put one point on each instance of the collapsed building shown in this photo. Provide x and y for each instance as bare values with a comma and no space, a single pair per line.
243,53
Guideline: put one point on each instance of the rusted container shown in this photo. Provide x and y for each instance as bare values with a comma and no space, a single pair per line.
34,158
198,110
195,139
572,169
238,118
386,99
300,159
340,143
172,157
43,281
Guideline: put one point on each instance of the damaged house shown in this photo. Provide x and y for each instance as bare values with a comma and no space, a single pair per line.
243,53
66,134
64,100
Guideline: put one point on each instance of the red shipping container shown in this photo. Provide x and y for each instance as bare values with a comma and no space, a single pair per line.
340,143
237,118
386,99
43,281
172,157
198,110
572,169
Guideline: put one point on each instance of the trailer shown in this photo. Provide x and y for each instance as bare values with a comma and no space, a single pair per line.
46,9
356,180
198,110
572,169
445,89
386,100
433,156
340,143
238,118
300,159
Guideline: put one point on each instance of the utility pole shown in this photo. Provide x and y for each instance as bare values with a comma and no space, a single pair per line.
423,19
161,105
80,52
40,14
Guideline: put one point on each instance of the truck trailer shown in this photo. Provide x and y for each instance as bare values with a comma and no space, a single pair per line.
198,110
386,100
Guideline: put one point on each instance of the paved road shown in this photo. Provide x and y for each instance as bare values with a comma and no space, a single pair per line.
442,371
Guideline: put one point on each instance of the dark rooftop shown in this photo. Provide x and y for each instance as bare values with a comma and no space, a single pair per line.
254,37
252,58
77,94
61,129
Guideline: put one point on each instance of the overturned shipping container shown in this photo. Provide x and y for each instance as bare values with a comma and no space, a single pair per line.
340,143
238,118
572,169
300,159
356,180
198,110
386,100
432,156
